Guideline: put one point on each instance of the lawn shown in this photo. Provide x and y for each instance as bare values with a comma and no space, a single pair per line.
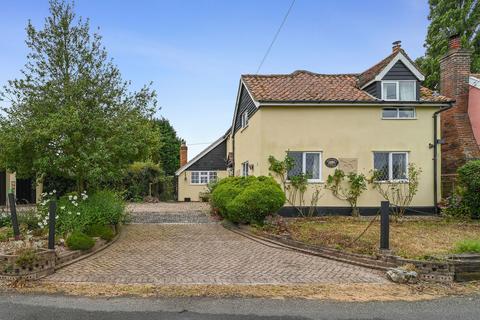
416,239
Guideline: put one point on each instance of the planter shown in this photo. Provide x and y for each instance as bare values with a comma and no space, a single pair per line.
43,265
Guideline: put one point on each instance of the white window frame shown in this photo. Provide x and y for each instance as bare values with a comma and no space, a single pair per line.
397,117
397,85
390,166
245,169
244,119
200,174
304,165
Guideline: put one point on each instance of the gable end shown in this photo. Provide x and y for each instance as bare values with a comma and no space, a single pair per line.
213,160
399,71
245,103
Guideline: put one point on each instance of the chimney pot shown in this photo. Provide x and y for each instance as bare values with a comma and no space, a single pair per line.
396,45
183,154
454,42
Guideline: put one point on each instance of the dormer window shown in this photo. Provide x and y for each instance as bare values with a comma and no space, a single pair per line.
401,90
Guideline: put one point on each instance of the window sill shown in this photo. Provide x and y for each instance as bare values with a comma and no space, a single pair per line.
400,118
198,184
392,182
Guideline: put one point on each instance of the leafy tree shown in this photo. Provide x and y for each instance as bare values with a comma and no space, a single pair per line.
168,154
71,114
450,17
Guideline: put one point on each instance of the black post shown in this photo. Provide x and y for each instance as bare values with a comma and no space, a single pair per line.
13,212
385,226
52,212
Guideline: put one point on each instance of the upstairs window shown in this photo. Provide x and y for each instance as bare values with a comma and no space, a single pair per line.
404,90
244,119
398,113
390,166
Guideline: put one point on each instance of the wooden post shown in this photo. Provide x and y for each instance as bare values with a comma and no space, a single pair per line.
52,212
385,226
13,212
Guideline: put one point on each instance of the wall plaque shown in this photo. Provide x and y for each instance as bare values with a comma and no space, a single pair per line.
331,162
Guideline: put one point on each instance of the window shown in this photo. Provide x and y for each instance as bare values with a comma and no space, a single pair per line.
245,169
244,119
307,163
398,113
203,177
403,90
391,166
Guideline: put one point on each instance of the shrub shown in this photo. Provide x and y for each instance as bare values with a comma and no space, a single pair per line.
247,199
469,183
259,199
80,241
104,232
468,246
5,220
26,258
226,190
29,219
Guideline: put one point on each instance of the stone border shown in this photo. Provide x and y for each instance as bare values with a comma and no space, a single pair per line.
456,268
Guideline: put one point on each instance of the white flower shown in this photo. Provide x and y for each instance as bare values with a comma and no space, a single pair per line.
75,204
40,224
50,193
78,213
70,197
63,208
56,217
54,191
69,212
75,197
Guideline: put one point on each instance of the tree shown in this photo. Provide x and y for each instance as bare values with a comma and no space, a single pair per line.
449,17
71,114
168,153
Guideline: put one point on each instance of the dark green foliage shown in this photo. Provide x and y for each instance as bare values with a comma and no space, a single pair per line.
258,200
247,199
448,17
347,187
469,187
104,232
140,180
80,241
60,184
71,114
168,154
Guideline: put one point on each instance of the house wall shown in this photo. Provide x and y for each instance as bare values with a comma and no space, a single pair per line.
474,111
339,132
192,191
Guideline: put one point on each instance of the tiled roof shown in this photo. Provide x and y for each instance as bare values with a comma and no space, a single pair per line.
305,86
313,87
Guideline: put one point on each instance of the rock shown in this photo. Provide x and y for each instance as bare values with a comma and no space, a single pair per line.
399,275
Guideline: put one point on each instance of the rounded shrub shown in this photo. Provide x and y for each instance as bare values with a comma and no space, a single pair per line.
247,199
80,241
469,182
104,232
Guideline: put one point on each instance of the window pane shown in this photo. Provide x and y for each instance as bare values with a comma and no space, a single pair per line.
406,113
312,165
195,177
212,176
380,164
203,179
390,91
297,160
399,166
389,113
407,90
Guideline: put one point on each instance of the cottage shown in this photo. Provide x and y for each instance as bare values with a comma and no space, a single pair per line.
381,119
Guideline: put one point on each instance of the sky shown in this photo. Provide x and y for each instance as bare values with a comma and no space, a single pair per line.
194,51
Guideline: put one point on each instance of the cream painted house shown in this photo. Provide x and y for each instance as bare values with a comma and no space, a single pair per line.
380,119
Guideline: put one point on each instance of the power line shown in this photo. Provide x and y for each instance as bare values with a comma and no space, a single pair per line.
276,35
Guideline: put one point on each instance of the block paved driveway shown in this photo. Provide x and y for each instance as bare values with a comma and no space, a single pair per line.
201,252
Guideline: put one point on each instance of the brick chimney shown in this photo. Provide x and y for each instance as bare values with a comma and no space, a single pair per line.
396,45
460,144
183,154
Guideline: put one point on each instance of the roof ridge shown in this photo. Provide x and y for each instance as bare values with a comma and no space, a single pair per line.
296,72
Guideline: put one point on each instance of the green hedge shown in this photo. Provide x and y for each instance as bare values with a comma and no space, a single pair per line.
80,241
247,199
469,182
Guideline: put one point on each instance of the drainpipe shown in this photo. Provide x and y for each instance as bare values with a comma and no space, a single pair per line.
436,142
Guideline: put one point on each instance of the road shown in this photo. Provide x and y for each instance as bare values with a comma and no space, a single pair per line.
62,307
